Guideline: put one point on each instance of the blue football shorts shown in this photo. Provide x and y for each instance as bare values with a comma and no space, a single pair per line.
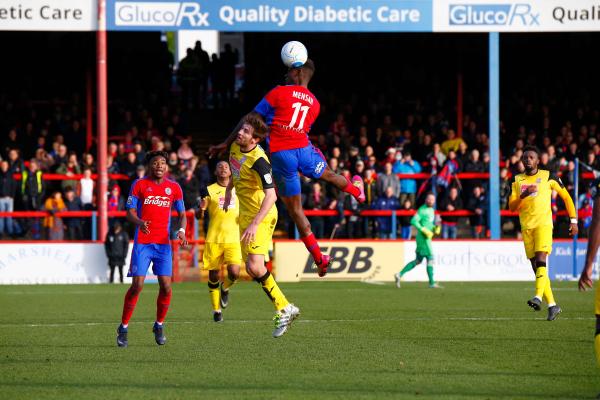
287,163
159,254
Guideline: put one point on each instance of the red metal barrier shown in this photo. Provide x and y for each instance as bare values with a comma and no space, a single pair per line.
420,176
62,177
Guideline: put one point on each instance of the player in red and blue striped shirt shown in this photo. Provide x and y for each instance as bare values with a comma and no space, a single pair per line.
149,208
290,111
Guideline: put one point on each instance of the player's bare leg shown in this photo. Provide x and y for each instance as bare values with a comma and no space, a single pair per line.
296,212
355,187
162,306
286,311
233,274
131,298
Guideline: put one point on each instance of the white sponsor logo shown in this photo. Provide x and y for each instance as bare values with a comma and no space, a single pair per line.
161,201
319,167
168,190
268,178
159,14
130,200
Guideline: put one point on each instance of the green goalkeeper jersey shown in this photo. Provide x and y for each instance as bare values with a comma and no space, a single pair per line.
424,219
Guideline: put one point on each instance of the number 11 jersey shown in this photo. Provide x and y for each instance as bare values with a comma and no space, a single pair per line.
290,112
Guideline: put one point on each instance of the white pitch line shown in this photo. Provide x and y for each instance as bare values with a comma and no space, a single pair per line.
306,321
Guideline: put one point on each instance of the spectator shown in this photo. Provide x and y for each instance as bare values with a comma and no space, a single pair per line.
70,168
451,202
405,225
436,158
88,162
8,189
477,203
385,202
370,186
504,189
15,163
451,143
408,187
388,179
115,202
473,165
85,189
44,160
316,200
116,246
55,228
33,188
74,224
191,189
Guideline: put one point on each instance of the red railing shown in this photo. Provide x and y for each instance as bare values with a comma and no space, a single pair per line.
420,176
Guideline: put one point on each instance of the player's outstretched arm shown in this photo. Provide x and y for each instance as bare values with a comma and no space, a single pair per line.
585,280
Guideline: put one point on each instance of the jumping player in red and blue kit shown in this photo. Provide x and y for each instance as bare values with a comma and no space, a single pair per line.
149,208
290,112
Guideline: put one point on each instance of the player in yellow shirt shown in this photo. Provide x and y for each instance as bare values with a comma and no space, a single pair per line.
253,181
585,280
222,244
531,194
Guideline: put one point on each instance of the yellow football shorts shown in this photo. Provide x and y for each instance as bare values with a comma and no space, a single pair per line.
537,240
597,299
217,254
262,239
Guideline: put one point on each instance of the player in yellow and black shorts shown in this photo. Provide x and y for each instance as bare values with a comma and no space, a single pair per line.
253,182
531,194
222,244
585,280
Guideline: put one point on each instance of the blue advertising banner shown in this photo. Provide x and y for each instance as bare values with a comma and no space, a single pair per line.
271,15
561,260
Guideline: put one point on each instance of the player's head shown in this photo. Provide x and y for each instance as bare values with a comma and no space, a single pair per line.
430,200
222,170
252,131
530,158
301,75
156,162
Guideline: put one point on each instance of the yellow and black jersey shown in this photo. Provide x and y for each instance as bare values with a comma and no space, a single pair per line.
223,226
251,174
535,210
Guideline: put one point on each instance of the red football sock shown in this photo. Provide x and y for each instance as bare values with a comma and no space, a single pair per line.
353,190
312,246
131,299
162,306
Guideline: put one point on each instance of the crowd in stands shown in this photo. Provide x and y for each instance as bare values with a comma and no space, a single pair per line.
373,138
378,150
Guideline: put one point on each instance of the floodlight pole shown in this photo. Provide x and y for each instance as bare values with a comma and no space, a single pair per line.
494,104
102,98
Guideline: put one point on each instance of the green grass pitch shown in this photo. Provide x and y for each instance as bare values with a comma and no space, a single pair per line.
352,341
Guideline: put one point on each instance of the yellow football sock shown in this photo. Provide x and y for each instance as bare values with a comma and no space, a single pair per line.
227,283
548,295
272,290
540,281
597,348
215,295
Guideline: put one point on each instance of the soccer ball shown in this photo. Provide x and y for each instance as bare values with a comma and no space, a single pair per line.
294,54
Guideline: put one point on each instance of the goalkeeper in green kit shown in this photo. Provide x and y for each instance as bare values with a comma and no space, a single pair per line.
424,221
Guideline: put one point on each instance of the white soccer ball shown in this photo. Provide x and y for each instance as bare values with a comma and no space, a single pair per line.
294,54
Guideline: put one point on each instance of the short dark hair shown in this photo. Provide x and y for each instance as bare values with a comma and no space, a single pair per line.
157,153
532,148
256,122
